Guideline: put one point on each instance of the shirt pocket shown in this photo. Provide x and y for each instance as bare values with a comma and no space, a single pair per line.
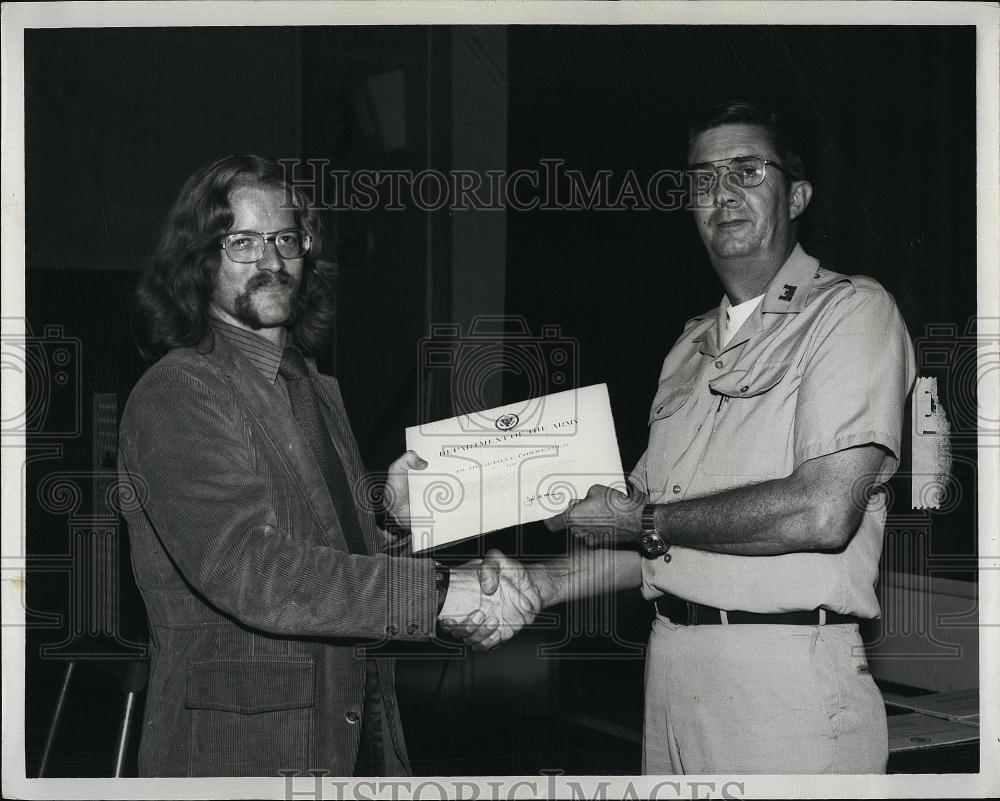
752,381
753,423
250,717
670,397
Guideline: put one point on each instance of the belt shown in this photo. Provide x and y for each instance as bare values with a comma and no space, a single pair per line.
688,613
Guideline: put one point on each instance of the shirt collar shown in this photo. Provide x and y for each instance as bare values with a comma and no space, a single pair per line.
786,293
261,353
740,310
732,318
790,287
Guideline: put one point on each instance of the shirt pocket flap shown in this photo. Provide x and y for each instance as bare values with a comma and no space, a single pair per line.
669,398
755,380
250,686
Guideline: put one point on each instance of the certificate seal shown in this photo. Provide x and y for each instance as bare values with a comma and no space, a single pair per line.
506,422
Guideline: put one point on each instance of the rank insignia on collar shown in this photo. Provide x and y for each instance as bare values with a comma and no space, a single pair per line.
788,293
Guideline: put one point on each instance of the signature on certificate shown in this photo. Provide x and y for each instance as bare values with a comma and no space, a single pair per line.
557,494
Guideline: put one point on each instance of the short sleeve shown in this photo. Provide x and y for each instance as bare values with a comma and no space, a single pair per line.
637,477
855,377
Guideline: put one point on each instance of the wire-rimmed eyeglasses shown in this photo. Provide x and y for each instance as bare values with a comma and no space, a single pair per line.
247,247
743,172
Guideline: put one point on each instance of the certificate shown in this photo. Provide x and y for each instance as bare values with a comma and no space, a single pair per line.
510,465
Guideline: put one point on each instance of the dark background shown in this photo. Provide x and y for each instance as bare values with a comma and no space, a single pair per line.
117,118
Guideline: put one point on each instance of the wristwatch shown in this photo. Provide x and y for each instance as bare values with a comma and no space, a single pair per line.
651,542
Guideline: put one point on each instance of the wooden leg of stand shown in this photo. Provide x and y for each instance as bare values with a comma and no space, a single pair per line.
56,715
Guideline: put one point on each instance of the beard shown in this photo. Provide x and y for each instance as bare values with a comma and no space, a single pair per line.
248,313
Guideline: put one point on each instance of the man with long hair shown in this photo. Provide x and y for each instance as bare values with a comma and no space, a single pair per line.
261,563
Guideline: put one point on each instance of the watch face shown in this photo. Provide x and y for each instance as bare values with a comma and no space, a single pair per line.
652,545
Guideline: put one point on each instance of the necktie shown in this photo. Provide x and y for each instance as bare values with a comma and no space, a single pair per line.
308,415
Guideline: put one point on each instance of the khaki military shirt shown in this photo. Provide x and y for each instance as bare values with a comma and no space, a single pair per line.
822,364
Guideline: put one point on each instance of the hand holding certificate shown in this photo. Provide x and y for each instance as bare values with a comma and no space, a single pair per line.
510,465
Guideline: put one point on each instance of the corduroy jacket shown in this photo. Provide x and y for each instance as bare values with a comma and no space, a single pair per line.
256,608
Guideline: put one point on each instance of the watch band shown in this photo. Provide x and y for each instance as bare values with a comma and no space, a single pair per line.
442,575
652,544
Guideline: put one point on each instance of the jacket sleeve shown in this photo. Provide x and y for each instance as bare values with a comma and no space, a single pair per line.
212,507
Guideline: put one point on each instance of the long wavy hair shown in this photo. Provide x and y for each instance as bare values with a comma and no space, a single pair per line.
172,298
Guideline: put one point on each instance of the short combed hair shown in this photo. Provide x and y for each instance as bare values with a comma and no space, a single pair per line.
741,112
172,298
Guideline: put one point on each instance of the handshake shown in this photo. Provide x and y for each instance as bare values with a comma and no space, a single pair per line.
490,600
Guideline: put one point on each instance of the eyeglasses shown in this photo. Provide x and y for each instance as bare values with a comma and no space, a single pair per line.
247,247
743,172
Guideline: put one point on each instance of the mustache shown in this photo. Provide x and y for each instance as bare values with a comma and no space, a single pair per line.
264,279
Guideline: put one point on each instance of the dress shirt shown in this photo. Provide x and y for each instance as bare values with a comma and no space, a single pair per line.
823,363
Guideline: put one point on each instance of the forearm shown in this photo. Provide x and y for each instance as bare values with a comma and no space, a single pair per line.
270,581
292,589
817,507
585,573
773,517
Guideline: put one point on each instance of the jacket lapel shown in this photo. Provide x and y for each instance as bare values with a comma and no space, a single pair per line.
262,402
328,391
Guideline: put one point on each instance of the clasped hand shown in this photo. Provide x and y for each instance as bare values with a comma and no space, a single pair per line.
606,517
489,601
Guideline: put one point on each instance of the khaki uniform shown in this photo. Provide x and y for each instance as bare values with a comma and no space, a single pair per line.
824,363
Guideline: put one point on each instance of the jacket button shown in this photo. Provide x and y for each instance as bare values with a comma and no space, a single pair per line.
676,488
352,717
743,389
720,364
412,628
392,629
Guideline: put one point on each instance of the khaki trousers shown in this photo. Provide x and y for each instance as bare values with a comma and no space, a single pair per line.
741,699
